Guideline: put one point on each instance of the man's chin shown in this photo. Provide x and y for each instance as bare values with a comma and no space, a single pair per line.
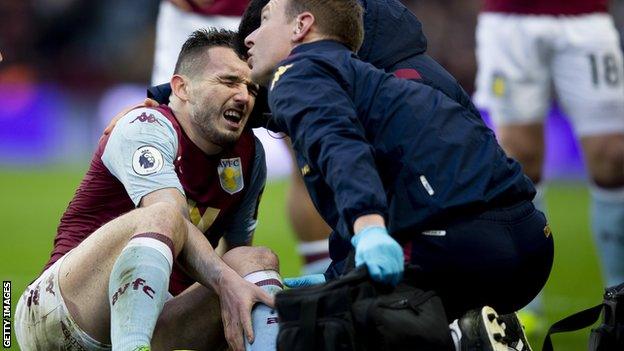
261,78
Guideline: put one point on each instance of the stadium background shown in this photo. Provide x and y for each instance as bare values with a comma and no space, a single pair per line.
69,65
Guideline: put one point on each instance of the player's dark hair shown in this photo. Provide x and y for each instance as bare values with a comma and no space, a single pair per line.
249,22
193,56
341,20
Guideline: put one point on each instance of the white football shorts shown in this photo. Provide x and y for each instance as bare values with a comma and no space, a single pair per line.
173,27
523,59
42,321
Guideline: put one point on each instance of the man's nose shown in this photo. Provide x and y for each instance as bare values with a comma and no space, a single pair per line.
249,40
242,95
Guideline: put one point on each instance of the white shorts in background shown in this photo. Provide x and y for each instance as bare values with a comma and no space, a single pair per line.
42,321
173,27
523,58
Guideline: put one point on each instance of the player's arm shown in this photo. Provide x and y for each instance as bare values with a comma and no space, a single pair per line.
322,120
202,263
140,153
238,229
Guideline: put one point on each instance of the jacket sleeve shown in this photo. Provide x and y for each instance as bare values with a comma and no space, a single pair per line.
311,106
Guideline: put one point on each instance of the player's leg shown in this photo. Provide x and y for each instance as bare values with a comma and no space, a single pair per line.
525,143
192,320
604,156
310,229
590,82
515,88
124,264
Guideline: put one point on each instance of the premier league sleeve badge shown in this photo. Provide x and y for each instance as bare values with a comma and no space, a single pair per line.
147,160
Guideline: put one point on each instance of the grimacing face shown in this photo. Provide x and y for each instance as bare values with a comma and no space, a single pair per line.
271,42
222,97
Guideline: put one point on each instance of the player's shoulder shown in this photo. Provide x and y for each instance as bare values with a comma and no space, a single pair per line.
305,70
145,120
144,116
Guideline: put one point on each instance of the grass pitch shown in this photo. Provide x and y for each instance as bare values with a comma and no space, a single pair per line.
33,201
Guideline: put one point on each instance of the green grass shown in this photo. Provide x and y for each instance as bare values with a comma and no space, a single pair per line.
33,201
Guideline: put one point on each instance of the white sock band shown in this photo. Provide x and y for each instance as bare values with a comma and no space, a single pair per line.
155,244
313,247
267,277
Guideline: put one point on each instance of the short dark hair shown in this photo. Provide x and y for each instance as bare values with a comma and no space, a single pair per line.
249,23
341,20
193,58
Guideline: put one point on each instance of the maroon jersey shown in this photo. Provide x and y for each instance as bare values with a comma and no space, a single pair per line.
102,197
221,8
546,7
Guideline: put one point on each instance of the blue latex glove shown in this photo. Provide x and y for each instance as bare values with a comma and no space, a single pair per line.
304,280
381,254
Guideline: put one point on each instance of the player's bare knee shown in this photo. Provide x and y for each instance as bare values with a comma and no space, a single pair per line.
247,259
605,160
166,219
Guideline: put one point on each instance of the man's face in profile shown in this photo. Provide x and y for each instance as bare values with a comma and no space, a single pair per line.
271,42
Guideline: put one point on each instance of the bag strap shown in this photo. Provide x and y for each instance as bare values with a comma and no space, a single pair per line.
308,323
576,321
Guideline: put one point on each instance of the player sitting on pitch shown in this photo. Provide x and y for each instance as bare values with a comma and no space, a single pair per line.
196,173
399,169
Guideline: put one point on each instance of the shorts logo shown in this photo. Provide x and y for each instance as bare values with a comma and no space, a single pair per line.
272,320
231,175
147,160
278,73
499,85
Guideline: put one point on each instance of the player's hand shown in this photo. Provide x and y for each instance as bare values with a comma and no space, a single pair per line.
381,254
146,103
237,297
305,280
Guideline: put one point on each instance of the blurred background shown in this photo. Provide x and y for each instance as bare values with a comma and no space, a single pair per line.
70,65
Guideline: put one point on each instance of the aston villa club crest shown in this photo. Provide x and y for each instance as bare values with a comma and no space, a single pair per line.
231,175
499,85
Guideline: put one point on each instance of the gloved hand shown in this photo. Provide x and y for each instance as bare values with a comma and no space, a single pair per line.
304,280
381,254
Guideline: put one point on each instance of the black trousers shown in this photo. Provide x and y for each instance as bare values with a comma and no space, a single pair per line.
501,258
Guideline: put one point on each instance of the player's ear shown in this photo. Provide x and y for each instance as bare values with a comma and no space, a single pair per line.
303,26
179,87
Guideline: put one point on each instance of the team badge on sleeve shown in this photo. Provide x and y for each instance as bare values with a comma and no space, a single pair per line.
147,160
231,175
278,73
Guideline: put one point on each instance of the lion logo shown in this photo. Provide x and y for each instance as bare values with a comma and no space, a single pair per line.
147,160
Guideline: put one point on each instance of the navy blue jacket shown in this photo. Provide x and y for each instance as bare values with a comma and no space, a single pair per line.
369,142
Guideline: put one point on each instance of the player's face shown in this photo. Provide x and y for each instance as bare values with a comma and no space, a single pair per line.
271,42
222,98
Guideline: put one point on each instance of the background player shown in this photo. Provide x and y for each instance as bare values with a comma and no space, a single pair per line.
179,18
196,174
526,47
